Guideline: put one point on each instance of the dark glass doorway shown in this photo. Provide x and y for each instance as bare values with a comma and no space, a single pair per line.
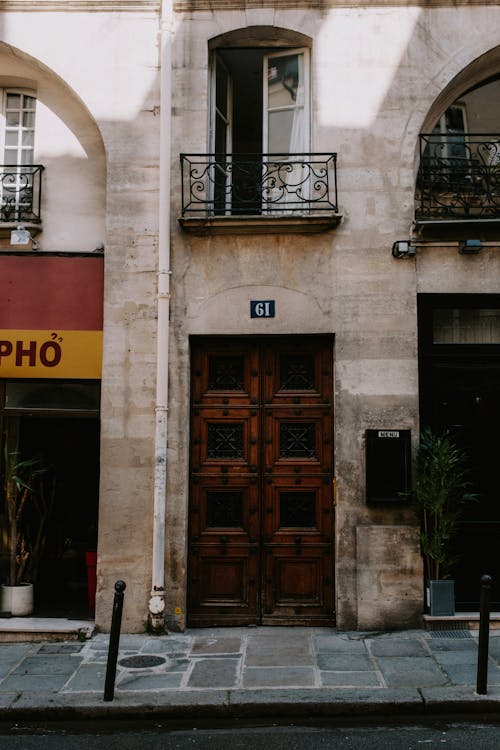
460,392
56,424
71,446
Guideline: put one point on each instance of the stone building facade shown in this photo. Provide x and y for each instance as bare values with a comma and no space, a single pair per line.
297,204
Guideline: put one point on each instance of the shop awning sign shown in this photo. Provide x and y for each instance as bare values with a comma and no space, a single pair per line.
50,354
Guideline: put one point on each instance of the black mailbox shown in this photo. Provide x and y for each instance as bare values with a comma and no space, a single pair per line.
388,466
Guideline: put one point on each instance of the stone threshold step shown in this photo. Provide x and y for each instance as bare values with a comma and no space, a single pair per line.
22,629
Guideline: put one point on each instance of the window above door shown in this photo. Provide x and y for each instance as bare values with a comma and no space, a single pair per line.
260,175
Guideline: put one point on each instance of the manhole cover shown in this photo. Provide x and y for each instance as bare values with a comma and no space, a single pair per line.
141,662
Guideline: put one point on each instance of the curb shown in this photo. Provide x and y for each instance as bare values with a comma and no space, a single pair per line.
394,705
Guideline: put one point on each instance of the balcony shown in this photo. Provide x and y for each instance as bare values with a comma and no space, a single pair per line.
259,193
458,179
21,195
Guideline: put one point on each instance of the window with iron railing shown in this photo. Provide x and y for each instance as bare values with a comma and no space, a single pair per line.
20,178
458,177
258,184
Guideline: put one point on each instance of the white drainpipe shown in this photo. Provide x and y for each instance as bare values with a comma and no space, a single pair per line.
157,601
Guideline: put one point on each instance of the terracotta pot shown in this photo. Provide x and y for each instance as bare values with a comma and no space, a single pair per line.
18,600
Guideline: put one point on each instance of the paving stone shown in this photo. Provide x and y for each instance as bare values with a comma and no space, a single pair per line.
177,665
174,646
209,673
7,666
14,651
48,665
60,648
263,652
28,683
350,679
397,647
334,644
344,662
466,674
6,699
149,682
88,677
207,645
454,657
452,644
278,676
411,671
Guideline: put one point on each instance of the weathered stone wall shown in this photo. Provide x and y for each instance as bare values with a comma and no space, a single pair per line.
376,75
94,68
380,74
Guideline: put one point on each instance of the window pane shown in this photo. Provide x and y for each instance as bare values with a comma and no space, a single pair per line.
12,119
26,156
29,119
10,156
11,137
283,80
29,102
281,124
13,101
42,395
466,326
28,137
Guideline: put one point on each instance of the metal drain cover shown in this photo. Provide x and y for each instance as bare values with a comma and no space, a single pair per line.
457,633
141,661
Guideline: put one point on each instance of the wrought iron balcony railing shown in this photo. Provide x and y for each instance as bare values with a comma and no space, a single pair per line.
459,177
258,184
20,193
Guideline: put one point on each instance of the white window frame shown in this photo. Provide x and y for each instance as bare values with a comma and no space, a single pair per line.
12,186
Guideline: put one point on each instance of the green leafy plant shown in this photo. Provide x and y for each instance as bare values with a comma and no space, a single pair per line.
28,507
441,494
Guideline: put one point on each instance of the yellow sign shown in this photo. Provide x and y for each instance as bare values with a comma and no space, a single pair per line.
50,354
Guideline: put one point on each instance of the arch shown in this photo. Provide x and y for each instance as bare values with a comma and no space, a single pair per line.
70,146
260,36
479,70
19,69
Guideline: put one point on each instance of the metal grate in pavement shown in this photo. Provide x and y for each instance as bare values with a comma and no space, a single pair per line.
456,633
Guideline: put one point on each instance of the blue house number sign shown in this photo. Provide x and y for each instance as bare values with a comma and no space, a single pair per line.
263,308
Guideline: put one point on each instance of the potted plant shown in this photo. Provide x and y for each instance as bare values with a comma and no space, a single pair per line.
441,493
27,508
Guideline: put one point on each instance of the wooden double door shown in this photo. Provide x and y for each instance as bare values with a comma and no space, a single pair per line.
261,503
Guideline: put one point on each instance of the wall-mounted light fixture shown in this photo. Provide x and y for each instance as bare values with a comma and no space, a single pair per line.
20,236
469,247
403,249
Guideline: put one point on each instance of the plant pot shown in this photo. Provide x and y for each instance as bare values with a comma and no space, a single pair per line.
18,600
441,598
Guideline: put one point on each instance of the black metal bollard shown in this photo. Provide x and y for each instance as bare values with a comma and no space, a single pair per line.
484,634
114,641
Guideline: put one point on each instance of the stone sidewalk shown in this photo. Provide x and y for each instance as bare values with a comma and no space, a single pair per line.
250,672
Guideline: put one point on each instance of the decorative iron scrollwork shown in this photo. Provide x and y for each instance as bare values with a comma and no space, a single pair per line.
225,441
218,184
297,440
21,193
459,177
297,373
225,373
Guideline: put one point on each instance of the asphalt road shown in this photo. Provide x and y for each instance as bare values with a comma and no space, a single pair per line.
157,736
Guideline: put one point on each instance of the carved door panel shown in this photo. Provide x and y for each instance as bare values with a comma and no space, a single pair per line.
261,513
